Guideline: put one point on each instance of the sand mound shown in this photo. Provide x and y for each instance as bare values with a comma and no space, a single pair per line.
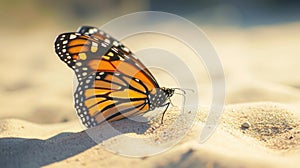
272,124
270,138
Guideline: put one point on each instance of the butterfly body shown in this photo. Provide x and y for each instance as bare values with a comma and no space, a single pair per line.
113,83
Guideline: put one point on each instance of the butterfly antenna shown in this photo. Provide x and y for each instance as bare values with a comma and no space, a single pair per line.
183,90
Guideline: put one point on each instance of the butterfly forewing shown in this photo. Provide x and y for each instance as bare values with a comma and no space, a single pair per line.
117,48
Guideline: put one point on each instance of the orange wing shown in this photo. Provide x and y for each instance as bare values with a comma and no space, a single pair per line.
101,35
113,83
92,50
109,96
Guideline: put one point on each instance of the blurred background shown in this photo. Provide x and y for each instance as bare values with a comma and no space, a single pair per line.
33,13
257,41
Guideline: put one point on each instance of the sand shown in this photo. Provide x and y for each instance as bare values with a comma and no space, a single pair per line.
260,125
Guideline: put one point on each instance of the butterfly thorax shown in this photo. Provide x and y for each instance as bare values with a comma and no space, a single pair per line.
159,96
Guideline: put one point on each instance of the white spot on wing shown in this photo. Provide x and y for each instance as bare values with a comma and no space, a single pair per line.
125,49
72,36
107,41
115,43
104,45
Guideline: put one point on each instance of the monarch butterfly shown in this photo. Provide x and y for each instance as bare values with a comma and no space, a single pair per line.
113,83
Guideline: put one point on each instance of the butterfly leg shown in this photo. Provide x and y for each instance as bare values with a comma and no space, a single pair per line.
162,117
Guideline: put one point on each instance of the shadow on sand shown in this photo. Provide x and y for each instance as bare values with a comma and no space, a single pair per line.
22,152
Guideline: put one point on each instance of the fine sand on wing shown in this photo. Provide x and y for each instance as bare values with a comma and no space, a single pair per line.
258,128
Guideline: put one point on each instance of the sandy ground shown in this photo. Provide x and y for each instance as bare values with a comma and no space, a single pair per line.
259,126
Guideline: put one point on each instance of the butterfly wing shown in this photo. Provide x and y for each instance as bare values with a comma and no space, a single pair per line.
109,96
78,51
93,50
113,83
117,45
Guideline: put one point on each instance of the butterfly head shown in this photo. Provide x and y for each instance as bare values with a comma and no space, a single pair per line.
168,91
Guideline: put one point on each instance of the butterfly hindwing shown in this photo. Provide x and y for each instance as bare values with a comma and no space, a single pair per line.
108,96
